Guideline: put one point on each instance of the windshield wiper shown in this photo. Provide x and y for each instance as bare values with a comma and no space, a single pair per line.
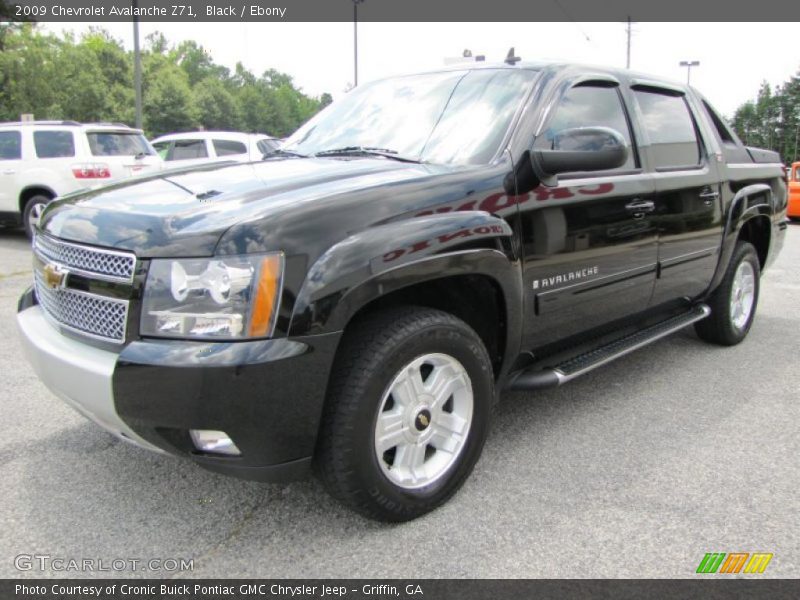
282,152
366,151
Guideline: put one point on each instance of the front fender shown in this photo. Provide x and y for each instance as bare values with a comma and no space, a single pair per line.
379,260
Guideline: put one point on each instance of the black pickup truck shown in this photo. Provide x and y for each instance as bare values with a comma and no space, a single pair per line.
358,300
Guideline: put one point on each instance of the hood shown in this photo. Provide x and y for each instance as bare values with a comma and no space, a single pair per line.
184,212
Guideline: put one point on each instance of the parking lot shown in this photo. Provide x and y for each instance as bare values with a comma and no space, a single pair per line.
636,470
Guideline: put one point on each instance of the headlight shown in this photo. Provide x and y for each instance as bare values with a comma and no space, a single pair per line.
229,297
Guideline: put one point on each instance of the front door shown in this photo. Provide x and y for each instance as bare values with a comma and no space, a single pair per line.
590,244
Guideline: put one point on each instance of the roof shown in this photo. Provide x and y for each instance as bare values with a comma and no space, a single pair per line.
202,135
555,66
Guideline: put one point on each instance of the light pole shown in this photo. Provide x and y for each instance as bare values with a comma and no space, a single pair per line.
137,69
355,41
689,64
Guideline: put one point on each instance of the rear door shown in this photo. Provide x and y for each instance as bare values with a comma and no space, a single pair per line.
589,244
688,211
126,153
10,164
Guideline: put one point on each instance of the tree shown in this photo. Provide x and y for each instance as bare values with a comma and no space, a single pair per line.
168,104
772,119
91,79
216,106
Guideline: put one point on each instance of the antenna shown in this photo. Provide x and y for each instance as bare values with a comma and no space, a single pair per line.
510,58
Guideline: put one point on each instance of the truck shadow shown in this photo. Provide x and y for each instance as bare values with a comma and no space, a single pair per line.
81,490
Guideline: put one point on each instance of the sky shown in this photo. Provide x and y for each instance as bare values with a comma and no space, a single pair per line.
734,57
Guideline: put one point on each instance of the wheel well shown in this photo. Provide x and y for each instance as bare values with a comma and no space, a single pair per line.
30,192
475,299
757,232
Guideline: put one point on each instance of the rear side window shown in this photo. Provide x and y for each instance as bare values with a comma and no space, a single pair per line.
185,149
229,147
590,106
670,127
10,145
54,144
722,129
266,146
162,148
118,144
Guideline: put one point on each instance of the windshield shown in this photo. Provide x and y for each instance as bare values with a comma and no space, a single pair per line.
110,143
458,117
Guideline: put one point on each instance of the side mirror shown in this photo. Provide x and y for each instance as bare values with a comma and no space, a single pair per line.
579,149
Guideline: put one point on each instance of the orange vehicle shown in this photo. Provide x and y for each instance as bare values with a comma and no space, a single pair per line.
793,210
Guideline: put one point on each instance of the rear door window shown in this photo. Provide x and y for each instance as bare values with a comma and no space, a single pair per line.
229,147
54,144
670,127
188,149
10,145
111,143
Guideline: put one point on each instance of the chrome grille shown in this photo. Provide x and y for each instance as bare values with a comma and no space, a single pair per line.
110,265
89,314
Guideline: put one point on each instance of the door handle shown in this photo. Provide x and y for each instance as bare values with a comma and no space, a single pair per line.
709,195
9,172
640,206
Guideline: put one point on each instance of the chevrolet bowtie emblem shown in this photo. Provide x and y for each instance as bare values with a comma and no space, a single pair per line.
54,276
424,420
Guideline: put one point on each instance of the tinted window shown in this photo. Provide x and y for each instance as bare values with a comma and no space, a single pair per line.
589,106
118,144
184,149
670,127
722,129
54,144
10,145
228,147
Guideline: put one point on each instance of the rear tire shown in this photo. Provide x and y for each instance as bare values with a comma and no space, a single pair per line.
32,212
408,410
734,302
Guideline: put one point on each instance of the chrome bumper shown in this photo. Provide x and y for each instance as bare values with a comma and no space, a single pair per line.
79,374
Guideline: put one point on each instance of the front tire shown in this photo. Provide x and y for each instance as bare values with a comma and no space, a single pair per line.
733,304
408,411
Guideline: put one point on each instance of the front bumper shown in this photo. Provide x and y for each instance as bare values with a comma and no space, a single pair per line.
266,395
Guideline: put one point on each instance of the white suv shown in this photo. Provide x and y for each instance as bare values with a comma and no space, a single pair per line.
198,147
40,160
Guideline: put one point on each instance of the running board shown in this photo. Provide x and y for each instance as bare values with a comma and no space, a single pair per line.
551,376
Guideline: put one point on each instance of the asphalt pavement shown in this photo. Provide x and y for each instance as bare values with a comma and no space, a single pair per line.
635,470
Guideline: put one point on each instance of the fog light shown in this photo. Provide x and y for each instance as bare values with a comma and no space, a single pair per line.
216,442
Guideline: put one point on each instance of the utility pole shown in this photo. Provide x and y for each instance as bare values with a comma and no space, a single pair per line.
628,59
137,67
689,64
355,41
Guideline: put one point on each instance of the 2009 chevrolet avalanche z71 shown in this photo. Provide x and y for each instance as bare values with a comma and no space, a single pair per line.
358,299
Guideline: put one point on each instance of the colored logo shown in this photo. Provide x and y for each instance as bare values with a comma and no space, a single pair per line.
735,562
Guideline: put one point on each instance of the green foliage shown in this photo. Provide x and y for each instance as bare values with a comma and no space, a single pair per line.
91,79
772,119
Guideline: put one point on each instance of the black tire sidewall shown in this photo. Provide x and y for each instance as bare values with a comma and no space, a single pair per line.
465,347
744,253
26,213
